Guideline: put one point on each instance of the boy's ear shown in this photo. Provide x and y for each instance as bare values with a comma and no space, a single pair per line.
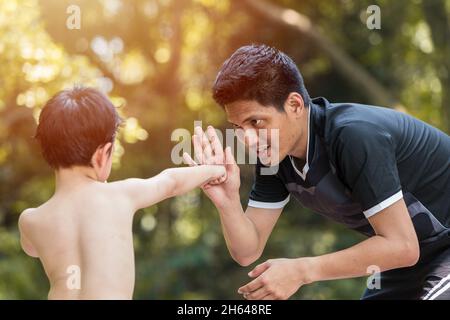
101,155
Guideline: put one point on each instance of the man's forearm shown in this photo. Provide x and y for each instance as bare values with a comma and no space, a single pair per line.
355,261
239,232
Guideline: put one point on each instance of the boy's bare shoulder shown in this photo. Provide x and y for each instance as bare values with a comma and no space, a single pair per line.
28,213
112,196
26,217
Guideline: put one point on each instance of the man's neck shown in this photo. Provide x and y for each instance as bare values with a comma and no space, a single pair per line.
300,149
69,178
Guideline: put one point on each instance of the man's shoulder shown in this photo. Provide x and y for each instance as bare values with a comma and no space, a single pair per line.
357,121
356,132
347,114
353,128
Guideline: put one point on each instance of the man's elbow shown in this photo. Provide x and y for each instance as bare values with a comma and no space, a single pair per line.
245,261
410,253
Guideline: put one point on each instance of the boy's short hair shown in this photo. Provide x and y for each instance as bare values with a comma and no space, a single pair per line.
260,73
73,124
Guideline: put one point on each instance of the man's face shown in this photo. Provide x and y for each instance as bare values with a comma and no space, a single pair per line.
270,132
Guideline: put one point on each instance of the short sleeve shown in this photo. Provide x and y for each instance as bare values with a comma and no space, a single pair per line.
366,160
268,191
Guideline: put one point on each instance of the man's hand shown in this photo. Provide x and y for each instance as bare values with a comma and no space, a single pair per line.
245,233
277,279
209,150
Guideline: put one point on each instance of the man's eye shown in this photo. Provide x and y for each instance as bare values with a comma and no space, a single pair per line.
256,122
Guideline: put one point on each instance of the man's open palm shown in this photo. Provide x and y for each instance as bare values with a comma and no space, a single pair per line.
208,150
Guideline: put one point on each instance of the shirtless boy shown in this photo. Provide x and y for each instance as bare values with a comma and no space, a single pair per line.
85,229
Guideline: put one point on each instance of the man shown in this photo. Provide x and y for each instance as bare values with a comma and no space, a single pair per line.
375,170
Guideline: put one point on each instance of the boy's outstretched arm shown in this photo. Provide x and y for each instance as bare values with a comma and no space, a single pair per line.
169,183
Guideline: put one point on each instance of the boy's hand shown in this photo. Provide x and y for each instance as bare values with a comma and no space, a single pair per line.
208,150
219,176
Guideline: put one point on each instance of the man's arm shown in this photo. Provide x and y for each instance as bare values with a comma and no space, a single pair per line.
246,234
395,245
169,183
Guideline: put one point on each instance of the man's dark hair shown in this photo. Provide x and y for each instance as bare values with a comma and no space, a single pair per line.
73,124
260,73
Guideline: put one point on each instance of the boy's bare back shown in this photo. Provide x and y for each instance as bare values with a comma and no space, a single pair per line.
83,238
83,234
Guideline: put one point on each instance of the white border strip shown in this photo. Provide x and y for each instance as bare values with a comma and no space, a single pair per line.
441,291
432,293
268,205
383,205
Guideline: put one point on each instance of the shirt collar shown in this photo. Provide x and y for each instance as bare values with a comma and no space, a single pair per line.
305,169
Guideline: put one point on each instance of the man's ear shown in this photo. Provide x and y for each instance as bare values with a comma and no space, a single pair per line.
101,156
294,104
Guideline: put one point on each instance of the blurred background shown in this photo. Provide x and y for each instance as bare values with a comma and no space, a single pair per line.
157,60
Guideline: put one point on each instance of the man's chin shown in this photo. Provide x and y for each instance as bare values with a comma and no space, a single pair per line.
271,159
268,161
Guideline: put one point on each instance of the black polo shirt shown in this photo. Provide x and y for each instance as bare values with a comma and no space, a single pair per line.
360,160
